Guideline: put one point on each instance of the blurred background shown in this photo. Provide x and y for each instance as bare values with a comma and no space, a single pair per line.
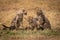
51,9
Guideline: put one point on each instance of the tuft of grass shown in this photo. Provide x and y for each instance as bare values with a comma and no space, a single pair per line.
50,32
29,32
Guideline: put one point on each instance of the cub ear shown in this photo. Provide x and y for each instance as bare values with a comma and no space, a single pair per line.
25,12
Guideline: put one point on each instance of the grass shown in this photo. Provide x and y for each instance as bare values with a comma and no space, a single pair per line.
23,34
30,32
50,32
